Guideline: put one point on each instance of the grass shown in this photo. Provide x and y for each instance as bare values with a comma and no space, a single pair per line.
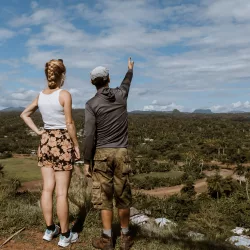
171,174
23,169
159,239
22,209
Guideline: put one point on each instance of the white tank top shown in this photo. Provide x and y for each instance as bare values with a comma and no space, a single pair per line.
51,110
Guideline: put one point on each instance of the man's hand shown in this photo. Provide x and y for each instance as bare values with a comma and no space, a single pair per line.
130,63
77,153
86,170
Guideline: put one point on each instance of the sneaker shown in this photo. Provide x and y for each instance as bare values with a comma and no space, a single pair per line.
64,241
74,237
104,242
49,235
126,241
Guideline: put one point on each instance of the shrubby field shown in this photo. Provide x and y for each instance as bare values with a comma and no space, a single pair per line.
165,150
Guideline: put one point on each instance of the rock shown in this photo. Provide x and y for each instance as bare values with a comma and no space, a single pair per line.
134,211
139,219
240,241
196,236
161,222
240,230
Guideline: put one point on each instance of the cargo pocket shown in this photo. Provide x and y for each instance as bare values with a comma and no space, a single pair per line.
100,166
126,169
96,193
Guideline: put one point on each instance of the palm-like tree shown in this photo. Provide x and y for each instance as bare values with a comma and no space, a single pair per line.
247,177
215,185
240,170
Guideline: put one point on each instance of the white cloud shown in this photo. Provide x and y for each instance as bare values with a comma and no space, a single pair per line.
237,106
6,34
20,98
223,56
228,10
23,95
40,16
14,63
211,38
156,106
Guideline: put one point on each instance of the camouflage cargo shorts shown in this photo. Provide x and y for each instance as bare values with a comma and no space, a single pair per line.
111,179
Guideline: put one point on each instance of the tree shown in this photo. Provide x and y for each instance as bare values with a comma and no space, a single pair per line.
247,177
240,171
174,157
215,186
189,188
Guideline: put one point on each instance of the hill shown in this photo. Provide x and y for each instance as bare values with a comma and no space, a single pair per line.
153,112
203,111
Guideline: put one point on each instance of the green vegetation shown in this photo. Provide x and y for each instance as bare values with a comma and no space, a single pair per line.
157,179
23,169
171,174
190,213
166,150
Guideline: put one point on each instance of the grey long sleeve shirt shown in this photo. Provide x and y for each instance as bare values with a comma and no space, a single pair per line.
106,119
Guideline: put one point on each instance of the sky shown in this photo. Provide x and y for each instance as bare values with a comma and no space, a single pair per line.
188,54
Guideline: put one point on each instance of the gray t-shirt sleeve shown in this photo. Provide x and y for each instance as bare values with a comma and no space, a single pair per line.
125,85
89,133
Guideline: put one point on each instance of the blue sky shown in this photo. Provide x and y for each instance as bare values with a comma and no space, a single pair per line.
188,54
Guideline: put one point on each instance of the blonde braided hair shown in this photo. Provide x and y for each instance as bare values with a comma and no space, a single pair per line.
55,72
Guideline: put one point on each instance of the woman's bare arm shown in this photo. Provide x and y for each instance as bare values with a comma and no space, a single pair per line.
26,116
67,105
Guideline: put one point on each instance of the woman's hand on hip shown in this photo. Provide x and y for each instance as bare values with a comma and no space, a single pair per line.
40,132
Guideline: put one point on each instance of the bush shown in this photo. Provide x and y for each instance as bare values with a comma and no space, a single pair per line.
147,165
150,182
176,207
210,221
5,155
218,187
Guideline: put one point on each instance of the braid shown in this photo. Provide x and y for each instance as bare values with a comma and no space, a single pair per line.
55,72
51,76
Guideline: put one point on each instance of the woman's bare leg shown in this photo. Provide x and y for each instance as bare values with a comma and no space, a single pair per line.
48,175
62,205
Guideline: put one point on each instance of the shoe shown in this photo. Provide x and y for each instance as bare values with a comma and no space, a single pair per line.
74,237
49,235
104,242
126,241
64,241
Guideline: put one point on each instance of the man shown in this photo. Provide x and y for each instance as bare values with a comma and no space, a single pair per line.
106,140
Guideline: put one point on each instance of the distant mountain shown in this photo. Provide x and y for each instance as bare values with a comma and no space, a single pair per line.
151,112
17,109
203,111
176,111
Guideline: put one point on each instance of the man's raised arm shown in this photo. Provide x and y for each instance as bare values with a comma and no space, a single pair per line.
125,85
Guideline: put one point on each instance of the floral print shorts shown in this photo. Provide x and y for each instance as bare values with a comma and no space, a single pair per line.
56,150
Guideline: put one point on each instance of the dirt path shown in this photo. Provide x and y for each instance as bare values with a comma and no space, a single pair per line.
200,185
30,186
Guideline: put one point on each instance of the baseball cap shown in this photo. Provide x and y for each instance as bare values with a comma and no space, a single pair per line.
99,71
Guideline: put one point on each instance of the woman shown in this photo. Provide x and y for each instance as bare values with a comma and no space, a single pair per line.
57,151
